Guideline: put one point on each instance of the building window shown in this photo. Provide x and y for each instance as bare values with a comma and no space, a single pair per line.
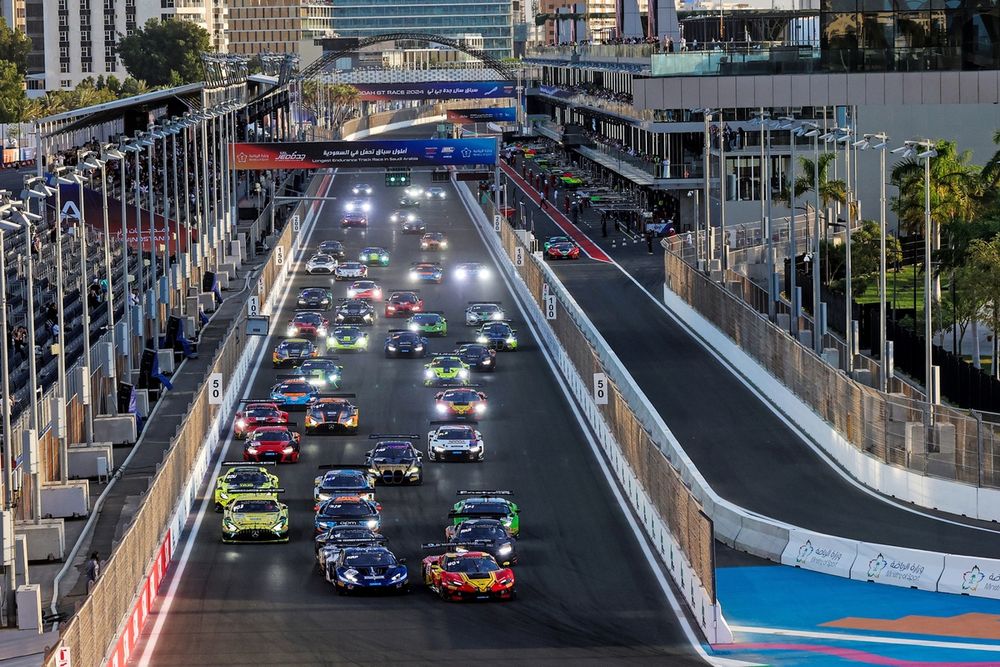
109,5
85,19
85,66
85,52
166,4
84,35
64,36
63,21
109,66
66,83
64,68
166,17
62,5
64,52
109,36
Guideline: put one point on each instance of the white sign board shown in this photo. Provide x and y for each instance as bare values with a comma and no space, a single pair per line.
550,308
819,553
965,575
253,306
215,389
545,290
896,566
279,255
600,388
519,256
497,221
296,223
260,285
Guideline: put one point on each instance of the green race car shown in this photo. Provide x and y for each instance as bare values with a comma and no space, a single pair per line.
242,478
374,256
321,372
429,323
347,338
446,369
485,505
255,517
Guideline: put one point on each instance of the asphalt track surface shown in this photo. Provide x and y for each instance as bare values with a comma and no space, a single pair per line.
585,591
746,453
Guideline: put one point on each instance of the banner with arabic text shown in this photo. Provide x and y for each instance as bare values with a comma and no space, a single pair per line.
378,154
435,90
483,115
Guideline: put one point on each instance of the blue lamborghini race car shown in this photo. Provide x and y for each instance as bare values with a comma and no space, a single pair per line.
294,392
372,569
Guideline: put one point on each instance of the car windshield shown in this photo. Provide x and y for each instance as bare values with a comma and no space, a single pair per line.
261,413
369,559
563,247
393,449
558,239
479,531
325,365
426,318
363,284
345,481
497,328
426,267
485,508
435,236
331,245
293,386
254,477
447,364
405,337
472,350
296,345
354,307
270,436
346,509
461,395
403,298
470,565
321,258
485,308
456,433
371,251
350,265
314,293
346,332
255,506
308,318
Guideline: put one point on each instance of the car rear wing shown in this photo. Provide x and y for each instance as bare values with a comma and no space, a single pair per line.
485,303
484,492
390,436
392,331
473,544
342,466
393,290
330,357
335,395
256,492
290,425
375,540
458,514
322,287
431,312
270,401
454,422
292,376
248,464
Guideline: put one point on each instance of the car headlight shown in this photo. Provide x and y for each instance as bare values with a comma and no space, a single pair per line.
460,274
334,377
487,362
391,348
511,340
428,373
438,448
399,576
292,331
482,340
462,373
505,549
321,331
414,469
241,423
317,382
418,348
441,407
278,526
480,407
475,448
484,274
444,244
351,575
372,524
324,496
251,450
350,206
413,275
413,327
367,316
451,584
366,207
223,495
363,340
229,525
496,316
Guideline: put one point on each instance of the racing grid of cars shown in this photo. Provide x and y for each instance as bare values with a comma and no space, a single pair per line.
479,539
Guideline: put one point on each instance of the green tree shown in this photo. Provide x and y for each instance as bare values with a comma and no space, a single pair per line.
956,188
14,47
165,52
984,263
13,101
830,190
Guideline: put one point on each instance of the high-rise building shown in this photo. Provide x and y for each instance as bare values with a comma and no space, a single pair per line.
13,13
278,26
493,20
79,38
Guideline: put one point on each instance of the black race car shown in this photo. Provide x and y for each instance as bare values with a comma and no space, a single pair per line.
416,226
333,248
488,535
355,311
403,342
316,298
479,357
395,460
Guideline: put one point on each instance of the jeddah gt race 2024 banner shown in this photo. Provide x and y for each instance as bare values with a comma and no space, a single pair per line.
374,154
483,115
435,90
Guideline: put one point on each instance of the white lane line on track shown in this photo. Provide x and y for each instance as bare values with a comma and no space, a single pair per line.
189,541
868,639
792,426
651,559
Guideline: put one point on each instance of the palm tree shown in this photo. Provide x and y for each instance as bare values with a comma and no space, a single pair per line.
830,191
957,189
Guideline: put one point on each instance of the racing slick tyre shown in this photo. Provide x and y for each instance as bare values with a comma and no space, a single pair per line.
218,508
310,430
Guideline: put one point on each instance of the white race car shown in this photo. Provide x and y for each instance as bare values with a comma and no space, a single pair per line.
362,189
358,206
455,442
350,271
482,312
435,192
320,263
414,191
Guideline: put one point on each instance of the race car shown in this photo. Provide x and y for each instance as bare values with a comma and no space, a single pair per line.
241,478
334,249
460,402
552,240
308,323
374,256
471,271
358,205
491,504
477,356
342,480
498,335
293,392
328,545
354,220
254,414
433,241
320,263
292,352
455,442
365,289
350,271
367,569
402,216
430,322
461,574
401,342
319,298
255,517
488,535
362,189
414,191
562,251
347,339
415,226
355,311
480,312
321,372
406,201
435,192
332,413
403,302
426,272
348,511
276,443
395,460
445,369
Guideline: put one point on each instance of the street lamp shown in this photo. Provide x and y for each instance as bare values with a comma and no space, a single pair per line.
762,118
794,131
85,166
61,325
34,189
707,116
8,458
151,137
812,130
878,143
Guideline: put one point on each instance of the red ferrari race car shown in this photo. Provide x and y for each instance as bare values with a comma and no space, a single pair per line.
308,323
460,402
364,289
462,573
256,414
354,220
563,250
402,303
276,443
433,241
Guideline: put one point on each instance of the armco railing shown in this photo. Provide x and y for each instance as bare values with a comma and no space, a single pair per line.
94,627
638,460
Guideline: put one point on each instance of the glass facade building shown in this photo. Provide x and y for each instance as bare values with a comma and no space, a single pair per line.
909,35
491,19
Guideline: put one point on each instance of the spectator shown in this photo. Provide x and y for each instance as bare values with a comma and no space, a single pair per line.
93,571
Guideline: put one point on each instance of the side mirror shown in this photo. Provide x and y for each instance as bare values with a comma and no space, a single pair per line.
401,561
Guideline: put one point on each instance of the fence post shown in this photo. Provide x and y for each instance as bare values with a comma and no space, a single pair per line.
978,416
